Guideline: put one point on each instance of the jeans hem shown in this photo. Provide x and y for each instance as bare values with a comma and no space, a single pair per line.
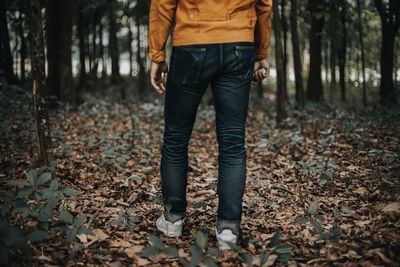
172,216
234,226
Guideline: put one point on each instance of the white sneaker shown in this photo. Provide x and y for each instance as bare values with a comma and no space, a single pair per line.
168,228
225,236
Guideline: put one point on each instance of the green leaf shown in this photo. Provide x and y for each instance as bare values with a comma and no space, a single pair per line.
197,255
52,203
79,220
214,252
233,246
319,217
324,179
201,239
264,258
313,207
247,258
32,176
116,221
69,192
317,226
347,210
84,230
302,220
66,217
71,234
18,183
43,178
275,239
284,258
155,241
24,193
38,236
149,251
283,249
336,213
171,251
210,262
54,184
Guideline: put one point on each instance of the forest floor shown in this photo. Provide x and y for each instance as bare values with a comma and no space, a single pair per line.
328,183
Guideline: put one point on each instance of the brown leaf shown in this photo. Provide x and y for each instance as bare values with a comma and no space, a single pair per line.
133,250
393,207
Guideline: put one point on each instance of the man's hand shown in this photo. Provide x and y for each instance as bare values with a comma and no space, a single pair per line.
261,71
158,76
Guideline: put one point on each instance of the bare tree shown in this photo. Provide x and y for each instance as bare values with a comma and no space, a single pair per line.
296,55
279,58
314,85
6,60
360,29
41,113
390,18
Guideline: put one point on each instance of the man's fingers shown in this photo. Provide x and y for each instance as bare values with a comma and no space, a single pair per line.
259,76
163,81
154,83
266,73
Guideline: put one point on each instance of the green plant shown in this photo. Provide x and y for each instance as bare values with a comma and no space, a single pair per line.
157,247
283,251
312,217
201,253
126,219
34,201
335,231
11,239
72,226
316,219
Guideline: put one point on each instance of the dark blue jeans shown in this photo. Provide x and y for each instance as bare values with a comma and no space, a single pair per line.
228,68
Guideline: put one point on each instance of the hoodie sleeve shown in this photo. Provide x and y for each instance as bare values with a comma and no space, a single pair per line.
262,33
162,13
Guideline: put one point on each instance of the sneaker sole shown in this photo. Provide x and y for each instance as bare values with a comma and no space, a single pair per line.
223,246
169,234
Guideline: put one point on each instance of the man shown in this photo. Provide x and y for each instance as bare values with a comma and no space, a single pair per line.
216,42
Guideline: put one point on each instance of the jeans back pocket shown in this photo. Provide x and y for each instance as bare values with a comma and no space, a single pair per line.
187,63
245,57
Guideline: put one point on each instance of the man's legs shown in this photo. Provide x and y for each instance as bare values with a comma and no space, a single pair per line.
231,96
187,80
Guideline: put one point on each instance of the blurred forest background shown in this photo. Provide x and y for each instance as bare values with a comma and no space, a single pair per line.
335,51
81,130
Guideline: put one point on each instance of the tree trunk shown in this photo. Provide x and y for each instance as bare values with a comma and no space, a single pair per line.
113,44
296,55
81,25
342,53
141,73
332,63
6,60
22,50
101,52
130,40
59,43
279,58
361,36
41,112
390,19
95,22
285,53
314,85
